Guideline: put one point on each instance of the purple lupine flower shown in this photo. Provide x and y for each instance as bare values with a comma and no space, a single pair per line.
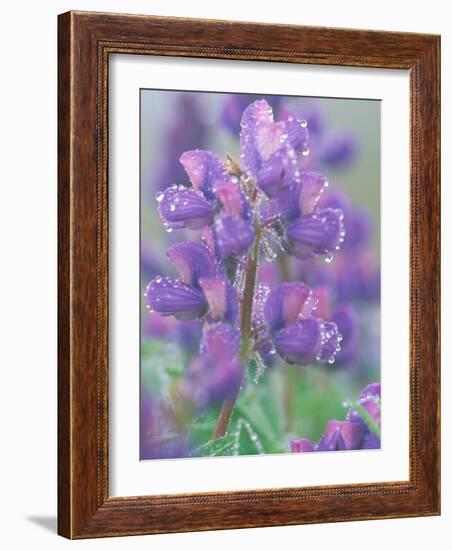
298,337
205,170
347,323
356,274
271,153
233,231
213,193
216,373
221,297
232,235
301,446
338,149
183,297
193,208
369,399
288,302
269,149
168,296
296,199
357,221
335,149
202,288
180,207
308,109
316,234
307,341
350,434
341,436
307,230
234,105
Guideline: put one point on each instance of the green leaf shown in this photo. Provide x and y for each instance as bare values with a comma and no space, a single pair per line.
161,362
372,425
261,407
203,427
245,439
221,446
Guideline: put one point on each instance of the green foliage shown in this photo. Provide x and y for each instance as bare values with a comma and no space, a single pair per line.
246,440
223,446
372,425
286,402
161,364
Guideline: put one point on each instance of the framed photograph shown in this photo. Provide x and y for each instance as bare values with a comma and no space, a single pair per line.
248,275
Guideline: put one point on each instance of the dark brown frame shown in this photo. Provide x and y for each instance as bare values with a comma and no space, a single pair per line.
85,41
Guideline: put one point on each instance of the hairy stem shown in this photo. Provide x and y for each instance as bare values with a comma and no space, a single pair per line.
245,327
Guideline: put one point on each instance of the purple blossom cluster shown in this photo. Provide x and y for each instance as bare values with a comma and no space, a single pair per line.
247,211
329,148
360,429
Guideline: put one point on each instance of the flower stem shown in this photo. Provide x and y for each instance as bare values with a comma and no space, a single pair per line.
245,327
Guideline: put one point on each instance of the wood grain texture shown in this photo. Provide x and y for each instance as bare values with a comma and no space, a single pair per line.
85,42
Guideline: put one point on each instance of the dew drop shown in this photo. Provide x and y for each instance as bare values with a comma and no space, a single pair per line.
159,196
329,257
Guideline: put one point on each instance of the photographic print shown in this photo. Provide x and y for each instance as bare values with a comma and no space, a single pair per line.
259,274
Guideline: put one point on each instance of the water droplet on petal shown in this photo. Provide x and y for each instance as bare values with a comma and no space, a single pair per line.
329,257
159,196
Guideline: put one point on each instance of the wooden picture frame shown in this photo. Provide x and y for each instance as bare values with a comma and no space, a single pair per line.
85,42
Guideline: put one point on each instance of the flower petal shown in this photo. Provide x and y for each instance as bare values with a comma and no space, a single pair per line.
232,235
301,446
278,171
299,343
205,169
254,115
181,207
269,138
192,260
312,186
172,297
287,303
306,341
222,299
297,132
347,323
316,234
371,441
330,342
341,436
231,198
